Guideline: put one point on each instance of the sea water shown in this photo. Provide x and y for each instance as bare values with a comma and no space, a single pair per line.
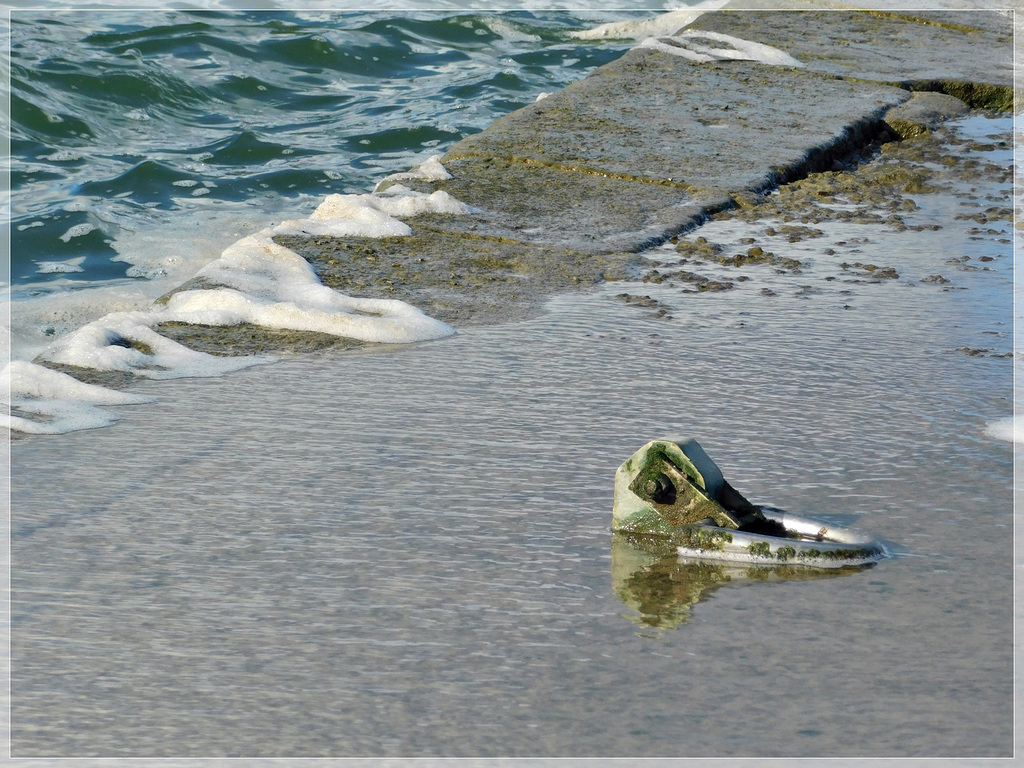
295,560
143,143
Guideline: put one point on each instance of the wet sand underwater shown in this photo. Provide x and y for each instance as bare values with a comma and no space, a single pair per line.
406,551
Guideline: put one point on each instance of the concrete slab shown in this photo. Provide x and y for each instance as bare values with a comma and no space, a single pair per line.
647,146
733,126
560,206
923,112
912,48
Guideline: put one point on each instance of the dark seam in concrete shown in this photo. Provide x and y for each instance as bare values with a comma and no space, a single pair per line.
975,94
700,218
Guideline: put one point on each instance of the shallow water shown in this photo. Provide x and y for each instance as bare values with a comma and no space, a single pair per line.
407,551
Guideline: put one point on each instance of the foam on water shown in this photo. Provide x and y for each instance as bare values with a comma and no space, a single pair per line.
429,170
168,252
35,324
507,31
255,281
55,403
125,341
58,267
684,44
78,230
1010,429
668,23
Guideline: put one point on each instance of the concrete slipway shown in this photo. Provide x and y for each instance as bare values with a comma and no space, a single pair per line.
570,189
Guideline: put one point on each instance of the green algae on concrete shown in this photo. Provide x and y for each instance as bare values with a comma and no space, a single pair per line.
107,379
998,98
758,255
923,112
460,278
573,208
879,189
250,339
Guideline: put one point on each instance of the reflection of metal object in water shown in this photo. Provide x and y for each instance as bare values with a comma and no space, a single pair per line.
661,588
670,489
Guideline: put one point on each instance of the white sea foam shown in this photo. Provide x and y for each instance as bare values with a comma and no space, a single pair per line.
403,202
63,156
262,282
36,382
37,322
1010,429
257,281
55,403
165,251
374,215
77,231
125,341
168,251
58,267
499,26
347,215
668,23
429,170
685,44
324,311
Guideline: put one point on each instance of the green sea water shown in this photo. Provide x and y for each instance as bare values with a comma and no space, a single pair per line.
141,121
